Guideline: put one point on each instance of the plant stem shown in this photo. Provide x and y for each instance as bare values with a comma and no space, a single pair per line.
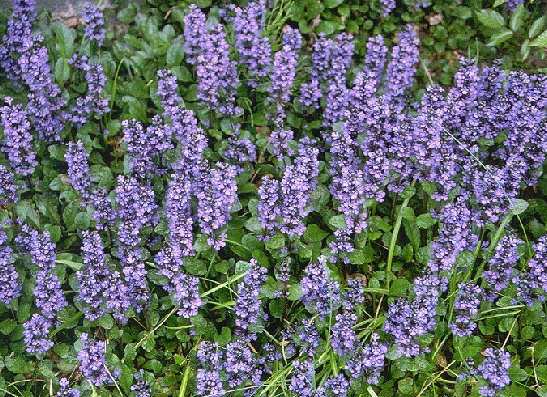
184,383
393,242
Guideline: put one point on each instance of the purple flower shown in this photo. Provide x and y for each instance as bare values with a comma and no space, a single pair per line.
308,337
298,183
103,213
136,209
365,86
95,277
144,145
241,364
17,37
331,59
92,102
337,101
407,320
184,288
343,338
301,381
192,141
269,204
36,334
178,211
348,187
167,90
284,205
65,390
355,294
284,71
45,100
140,387
310,93
532,285
402,67
336,386
387,6
500,269
47,290
10,284
8,190
240,151
291,37
17,138
253,49
209,355
209,384
320,293
279,143
455,236
117,297
247,309
216,73
93,20
466,308
513,4
495,371
194,33
216,194
368,361
78,169
91,358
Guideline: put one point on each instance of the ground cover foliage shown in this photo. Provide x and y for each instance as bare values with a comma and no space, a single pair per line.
308,198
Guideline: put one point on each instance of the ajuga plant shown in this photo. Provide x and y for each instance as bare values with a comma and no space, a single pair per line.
264,213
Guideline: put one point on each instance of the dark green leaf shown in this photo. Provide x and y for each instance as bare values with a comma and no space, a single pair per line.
492,19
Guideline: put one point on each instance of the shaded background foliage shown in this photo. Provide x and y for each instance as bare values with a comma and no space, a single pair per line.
146,37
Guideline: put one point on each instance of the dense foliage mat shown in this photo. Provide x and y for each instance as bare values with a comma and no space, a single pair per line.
287,198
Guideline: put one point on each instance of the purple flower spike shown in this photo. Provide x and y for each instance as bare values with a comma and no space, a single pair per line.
92,360
18,138
93,20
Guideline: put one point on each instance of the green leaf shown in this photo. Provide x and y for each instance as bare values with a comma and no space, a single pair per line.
540,41
129,352
54,231
276,308
500,37
135,108
399,287
57,152
498,3
195,266
332,3
517,374
406,385
62,70
327,27
314,233
517,18
518,206
18,365
82,221
425,221
491,19
337,222
525,49
536,27
276,242
224,337
64,39
7,326
175,53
